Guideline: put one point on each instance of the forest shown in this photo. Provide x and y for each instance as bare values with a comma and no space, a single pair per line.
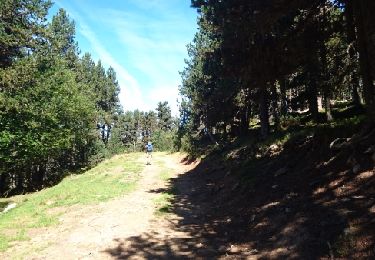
272,155
254,68
59,110
258,67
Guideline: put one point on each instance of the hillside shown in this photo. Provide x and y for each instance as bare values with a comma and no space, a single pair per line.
308,196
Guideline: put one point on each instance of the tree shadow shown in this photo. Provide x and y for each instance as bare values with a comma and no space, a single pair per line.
312,211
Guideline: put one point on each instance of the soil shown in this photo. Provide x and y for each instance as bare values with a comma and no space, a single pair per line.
296,202
107,230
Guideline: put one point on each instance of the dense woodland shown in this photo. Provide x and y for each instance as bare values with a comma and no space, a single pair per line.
59,110
263,64
254,67
277,100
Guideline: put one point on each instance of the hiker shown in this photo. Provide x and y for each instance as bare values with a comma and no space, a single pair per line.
149,148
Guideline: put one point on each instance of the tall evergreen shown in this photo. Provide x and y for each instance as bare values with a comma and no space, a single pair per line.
262,61
50,98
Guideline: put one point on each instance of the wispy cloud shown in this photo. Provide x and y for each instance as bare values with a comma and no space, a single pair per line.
130,94
143,40
157,49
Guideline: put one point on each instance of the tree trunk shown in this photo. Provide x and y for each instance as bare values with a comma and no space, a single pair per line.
275,108
313,97
263,113
328,107
38,176
20,182
351,39
364,57
324,70
283,98
245,120
212,138
354,89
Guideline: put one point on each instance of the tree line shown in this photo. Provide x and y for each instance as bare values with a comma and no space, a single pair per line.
59,110
262,61
134,129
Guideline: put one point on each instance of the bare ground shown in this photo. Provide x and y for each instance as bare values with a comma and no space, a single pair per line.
316,208
106,230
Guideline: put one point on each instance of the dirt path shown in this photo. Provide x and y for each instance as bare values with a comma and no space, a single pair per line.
109,230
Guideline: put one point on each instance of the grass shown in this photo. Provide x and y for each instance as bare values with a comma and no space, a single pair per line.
164,201
6,239
111,178
165,174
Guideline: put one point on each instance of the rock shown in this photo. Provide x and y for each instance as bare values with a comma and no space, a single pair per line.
281,171
9,207
337,144
275,186
356,168
229,220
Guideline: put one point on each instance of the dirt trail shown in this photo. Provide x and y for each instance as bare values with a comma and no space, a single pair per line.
107,230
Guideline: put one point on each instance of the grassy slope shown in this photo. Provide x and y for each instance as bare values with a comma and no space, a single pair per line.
164,200
109,179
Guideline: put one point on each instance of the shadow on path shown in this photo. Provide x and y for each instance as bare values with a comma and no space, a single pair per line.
310,212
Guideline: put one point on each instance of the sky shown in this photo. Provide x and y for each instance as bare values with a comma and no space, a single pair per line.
143,40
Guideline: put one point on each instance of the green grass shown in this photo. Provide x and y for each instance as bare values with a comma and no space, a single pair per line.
164,203
6,239
165,174
110,179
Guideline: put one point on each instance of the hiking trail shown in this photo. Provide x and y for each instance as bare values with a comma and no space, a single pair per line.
109,229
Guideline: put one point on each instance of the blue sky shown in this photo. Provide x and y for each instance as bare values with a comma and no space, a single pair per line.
143,40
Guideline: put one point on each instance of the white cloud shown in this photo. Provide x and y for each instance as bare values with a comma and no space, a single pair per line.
130,92
154,52
146,38
165,93
130,95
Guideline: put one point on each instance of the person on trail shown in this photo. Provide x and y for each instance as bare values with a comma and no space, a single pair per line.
149,149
